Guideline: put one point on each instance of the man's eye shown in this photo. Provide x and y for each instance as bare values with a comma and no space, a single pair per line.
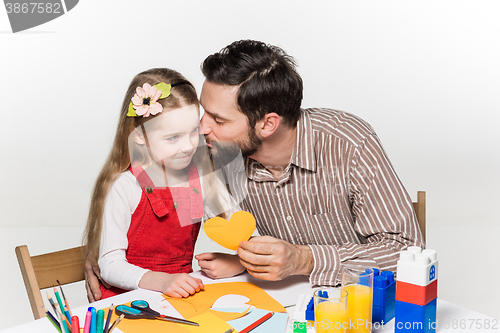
218,122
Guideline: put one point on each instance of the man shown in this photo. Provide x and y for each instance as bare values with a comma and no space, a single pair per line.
320,186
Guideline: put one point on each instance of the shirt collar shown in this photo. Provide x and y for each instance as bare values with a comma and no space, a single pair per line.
304,143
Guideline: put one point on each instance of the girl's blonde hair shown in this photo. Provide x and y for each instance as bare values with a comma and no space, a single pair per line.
119,158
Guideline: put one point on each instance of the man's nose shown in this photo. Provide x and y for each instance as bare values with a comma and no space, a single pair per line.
205,129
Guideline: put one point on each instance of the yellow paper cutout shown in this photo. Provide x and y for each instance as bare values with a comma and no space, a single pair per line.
203,300
230,233
209,323
146,325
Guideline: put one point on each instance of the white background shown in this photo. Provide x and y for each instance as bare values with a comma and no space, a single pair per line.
425,74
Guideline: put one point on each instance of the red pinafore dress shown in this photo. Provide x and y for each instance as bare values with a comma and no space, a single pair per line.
164,226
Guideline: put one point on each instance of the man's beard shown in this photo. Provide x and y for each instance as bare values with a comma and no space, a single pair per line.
251,144
224,153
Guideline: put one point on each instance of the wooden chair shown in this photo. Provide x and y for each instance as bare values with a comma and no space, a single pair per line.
42,271
419,207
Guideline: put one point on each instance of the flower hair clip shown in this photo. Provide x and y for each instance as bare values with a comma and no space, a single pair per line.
145,100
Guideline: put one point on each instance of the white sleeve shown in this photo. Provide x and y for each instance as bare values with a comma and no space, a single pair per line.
122,200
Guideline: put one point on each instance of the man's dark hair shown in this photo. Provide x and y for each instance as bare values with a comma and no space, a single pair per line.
266,75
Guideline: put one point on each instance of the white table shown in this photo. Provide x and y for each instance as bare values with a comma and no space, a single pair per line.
451,318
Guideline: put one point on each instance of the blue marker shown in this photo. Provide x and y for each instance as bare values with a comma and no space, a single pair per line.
93,320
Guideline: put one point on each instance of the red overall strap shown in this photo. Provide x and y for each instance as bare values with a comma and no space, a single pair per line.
148,187
164,242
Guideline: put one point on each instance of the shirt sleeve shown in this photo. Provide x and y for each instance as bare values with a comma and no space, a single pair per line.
383,216
121,202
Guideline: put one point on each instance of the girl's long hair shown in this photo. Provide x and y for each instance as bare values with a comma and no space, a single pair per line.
119,158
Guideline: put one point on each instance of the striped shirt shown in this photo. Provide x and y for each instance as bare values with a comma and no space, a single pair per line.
339,195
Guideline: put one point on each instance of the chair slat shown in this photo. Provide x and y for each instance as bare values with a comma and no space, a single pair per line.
43,271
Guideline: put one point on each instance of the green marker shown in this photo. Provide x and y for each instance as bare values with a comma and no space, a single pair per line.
100,321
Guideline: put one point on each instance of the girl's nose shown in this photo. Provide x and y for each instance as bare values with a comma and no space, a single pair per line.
189,144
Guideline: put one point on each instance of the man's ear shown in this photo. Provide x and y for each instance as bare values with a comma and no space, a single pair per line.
138,137
268,125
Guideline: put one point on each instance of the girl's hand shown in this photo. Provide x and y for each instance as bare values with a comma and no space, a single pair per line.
220,265
174,285
181,285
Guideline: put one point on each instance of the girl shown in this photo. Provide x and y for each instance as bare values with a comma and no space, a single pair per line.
147,201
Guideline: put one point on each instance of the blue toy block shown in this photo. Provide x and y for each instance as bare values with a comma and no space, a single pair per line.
383,315
384,289
310,310
416,318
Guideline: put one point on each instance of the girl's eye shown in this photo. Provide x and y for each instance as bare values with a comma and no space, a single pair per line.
173,138
195,130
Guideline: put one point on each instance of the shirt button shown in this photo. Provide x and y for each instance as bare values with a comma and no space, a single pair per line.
288,218
195,190
149,189
176,205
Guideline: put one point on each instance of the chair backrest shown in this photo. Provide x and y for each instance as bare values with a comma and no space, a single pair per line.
42,271
419,207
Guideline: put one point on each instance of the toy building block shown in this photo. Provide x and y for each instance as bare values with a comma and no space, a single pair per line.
416,291
383,315
300,309
416,318
384,295
417,267
310,309
304,309
384,289
299,327
419,295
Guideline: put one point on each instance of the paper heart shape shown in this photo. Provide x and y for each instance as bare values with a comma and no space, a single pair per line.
230,233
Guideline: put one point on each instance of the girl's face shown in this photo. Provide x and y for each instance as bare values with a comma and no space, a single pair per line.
173,137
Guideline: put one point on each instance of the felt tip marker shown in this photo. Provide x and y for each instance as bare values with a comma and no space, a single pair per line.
93,321
100,321
75,323
88,318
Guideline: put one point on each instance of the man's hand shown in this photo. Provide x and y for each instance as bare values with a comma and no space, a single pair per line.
269,258
92,277
219,265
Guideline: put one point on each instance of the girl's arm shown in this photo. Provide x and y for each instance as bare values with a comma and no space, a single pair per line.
121,202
